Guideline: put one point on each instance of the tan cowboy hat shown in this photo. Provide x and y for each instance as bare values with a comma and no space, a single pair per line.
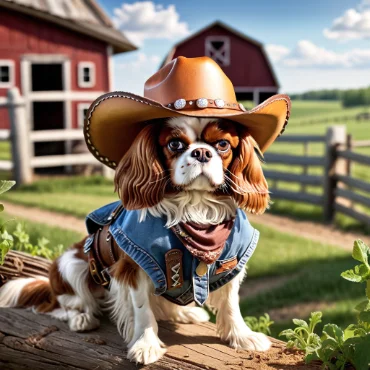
184,87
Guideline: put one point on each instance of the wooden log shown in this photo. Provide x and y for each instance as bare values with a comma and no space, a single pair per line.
38,342
19,264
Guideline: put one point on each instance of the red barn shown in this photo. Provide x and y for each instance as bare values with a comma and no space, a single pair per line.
58,53
242,59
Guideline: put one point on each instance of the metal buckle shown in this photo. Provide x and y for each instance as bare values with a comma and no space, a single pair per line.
95,273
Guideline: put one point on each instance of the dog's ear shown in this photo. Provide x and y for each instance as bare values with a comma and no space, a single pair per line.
248,183
139,178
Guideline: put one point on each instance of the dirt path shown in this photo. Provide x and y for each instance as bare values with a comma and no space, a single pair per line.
46,217
310,230
306,229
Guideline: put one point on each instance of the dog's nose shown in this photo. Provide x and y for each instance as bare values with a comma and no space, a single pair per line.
202,155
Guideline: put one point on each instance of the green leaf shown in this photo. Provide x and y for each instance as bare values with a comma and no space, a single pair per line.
363,306
333,331
289,333
300,323
365,316
6,185
361,358
351,276
360,251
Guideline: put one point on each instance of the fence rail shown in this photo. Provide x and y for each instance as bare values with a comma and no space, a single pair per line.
22,139
340,190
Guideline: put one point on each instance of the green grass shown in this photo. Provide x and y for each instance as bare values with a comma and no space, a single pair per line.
314,269
75,196
55,235
5,150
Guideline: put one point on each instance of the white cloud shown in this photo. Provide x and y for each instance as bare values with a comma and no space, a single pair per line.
277,52
145,20
307,54
131,75
352,25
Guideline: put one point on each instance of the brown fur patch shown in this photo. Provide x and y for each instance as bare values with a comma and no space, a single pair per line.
140,178
250,189
126,271
39,294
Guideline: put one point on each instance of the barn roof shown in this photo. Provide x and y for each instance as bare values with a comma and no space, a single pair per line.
218,23
83,16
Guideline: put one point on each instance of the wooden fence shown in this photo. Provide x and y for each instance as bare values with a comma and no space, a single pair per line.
341,192
22,139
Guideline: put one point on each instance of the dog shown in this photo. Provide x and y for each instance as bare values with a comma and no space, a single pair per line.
198,170
187,159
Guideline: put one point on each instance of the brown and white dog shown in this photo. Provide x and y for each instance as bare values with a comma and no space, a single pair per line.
188,169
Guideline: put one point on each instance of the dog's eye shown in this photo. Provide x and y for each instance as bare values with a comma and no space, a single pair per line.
176,145
222,146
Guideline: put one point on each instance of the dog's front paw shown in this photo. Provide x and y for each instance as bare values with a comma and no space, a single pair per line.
146,350
83,322
252,341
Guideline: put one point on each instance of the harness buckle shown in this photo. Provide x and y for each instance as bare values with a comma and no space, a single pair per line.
102,278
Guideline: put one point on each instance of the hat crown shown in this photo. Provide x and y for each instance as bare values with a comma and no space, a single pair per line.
189,79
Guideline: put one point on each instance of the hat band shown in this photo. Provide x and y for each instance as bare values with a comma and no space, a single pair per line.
203,103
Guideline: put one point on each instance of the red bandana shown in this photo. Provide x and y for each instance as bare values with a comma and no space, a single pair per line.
204,242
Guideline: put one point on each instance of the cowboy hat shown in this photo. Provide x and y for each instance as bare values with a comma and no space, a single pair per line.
184,87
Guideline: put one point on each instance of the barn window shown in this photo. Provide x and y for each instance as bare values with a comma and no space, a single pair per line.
6,73
82,112
218,48
86,74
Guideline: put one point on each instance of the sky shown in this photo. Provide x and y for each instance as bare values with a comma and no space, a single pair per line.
312,44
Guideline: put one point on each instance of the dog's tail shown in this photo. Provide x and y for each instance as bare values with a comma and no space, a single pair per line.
28,292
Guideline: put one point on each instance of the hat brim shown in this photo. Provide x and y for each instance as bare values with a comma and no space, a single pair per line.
115,119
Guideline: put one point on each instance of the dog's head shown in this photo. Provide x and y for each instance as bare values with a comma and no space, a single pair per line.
192,154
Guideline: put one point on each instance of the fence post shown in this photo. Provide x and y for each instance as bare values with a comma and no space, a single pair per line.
336,139
20,140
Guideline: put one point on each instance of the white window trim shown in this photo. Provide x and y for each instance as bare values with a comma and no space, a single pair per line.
8,63
81,82
80,113
208,46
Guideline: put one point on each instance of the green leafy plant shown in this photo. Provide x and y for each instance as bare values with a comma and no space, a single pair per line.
338,348
260,324
20,239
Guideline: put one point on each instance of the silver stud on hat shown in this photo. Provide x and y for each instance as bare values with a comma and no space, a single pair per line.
202,103
219,103
180,103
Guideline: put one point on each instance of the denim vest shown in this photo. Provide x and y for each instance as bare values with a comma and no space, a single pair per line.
148,241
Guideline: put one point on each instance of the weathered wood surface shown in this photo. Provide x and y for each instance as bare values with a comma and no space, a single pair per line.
19,264
38,342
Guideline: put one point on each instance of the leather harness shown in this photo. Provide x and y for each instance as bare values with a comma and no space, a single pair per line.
104,252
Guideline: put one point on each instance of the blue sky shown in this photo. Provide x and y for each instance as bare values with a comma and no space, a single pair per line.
312,45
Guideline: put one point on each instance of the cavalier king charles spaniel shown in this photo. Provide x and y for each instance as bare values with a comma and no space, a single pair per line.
184,169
